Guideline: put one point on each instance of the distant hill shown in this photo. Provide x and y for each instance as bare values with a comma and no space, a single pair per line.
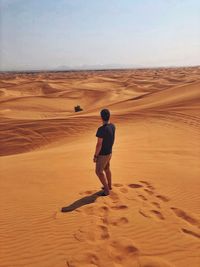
96,67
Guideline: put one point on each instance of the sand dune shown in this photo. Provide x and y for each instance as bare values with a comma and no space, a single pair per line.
179,97
51,211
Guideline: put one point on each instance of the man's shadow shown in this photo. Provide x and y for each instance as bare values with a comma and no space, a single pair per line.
82,201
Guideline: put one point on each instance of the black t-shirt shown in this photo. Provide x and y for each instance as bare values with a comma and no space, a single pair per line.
107,132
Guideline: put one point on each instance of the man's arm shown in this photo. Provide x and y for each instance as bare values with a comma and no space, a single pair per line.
98,148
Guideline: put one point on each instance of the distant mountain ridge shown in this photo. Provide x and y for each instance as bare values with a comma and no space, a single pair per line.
97,67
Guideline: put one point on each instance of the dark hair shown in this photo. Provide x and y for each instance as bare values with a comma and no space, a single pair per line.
105,114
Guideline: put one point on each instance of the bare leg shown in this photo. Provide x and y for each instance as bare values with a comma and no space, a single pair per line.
102,178
109,178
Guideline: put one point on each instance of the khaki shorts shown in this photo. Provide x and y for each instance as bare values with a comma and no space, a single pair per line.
103,163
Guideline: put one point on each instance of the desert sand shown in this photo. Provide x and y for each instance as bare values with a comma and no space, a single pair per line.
152,216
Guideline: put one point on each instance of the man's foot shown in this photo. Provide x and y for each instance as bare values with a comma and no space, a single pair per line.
104,193
110,188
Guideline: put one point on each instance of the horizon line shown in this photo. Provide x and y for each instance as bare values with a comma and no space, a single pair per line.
68,69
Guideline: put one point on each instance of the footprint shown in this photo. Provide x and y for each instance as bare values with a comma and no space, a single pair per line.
70,263
151,187
183,215
143,213
158,214
135,185
122,249
148,185
123,190
103,232
142,197
131,197
119,207
103,210
145,182
114,197
97,232
88,258
148,191
117,185
96,211
156,204
80,235
89,210
163,198
190,232
91,258
120,221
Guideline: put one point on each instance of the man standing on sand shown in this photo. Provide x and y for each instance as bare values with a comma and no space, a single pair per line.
103,152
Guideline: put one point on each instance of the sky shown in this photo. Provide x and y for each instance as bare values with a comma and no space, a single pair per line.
47,34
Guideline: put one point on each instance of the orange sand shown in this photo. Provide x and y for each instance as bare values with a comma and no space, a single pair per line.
151,218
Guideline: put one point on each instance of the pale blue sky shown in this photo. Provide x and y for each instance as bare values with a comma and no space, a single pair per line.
42,34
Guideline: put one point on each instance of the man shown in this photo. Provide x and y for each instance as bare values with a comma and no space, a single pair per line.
103,152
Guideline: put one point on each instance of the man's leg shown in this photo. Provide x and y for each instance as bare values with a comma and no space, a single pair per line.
102,178
109,177
99,172
108,174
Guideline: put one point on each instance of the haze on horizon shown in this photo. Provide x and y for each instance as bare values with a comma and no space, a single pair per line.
74,33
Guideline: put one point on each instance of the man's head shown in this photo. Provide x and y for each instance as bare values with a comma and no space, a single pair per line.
105,115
